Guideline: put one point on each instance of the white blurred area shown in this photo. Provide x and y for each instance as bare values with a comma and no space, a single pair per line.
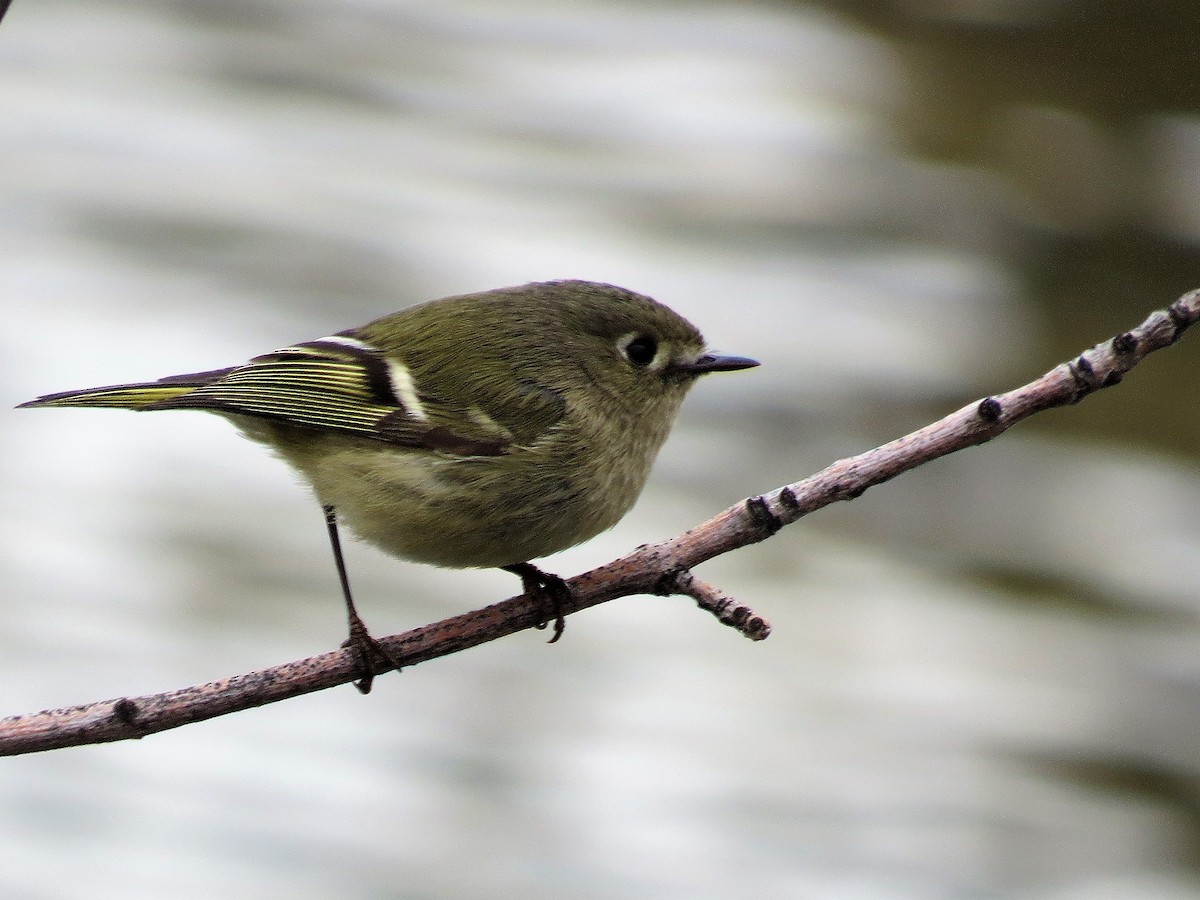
186,184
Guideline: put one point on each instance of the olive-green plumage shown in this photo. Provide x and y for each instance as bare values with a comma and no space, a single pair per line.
479,430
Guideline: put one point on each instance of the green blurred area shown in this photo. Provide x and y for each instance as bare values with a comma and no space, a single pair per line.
1075,106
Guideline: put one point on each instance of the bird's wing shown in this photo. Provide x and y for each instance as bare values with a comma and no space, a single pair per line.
343,384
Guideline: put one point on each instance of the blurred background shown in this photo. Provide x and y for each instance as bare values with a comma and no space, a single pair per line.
984,680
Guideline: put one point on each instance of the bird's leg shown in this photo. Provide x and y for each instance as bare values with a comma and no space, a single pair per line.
548,588
367,651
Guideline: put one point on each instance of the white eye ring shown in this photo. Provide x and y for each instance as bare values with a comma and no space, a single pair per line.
641,350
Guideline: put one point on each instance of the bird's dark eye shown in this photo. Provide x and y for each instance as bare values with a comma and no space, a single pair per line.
641,350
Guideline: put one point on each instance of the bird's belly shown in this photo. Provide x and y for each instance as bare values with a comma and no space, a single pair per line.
472,512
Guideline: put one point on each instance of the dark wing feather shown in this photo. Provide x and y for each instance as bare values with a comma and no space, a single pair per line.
343,385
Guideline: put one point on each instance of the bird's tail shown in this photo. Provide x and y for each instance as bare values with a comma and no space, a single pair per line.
130,396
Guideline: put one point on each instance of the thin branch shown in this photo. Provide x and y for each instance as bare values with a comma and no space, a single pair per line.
662,568
711,599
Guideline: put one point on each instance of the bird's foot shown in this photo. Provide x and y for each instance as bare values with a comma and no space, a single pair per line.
551,590
369,655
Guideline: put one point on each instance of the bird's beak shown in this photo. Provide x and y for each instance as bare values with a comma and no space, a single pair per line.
714,362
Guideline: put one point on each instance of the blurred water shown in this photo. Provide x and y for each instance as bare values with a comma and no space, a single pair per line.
983,677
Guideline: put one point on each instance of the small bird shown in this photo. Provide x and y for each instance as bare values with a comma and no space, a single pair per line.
480,430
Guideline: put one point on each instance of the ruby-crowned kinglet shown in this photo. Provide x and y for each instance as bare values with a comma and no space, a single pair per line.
473,431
